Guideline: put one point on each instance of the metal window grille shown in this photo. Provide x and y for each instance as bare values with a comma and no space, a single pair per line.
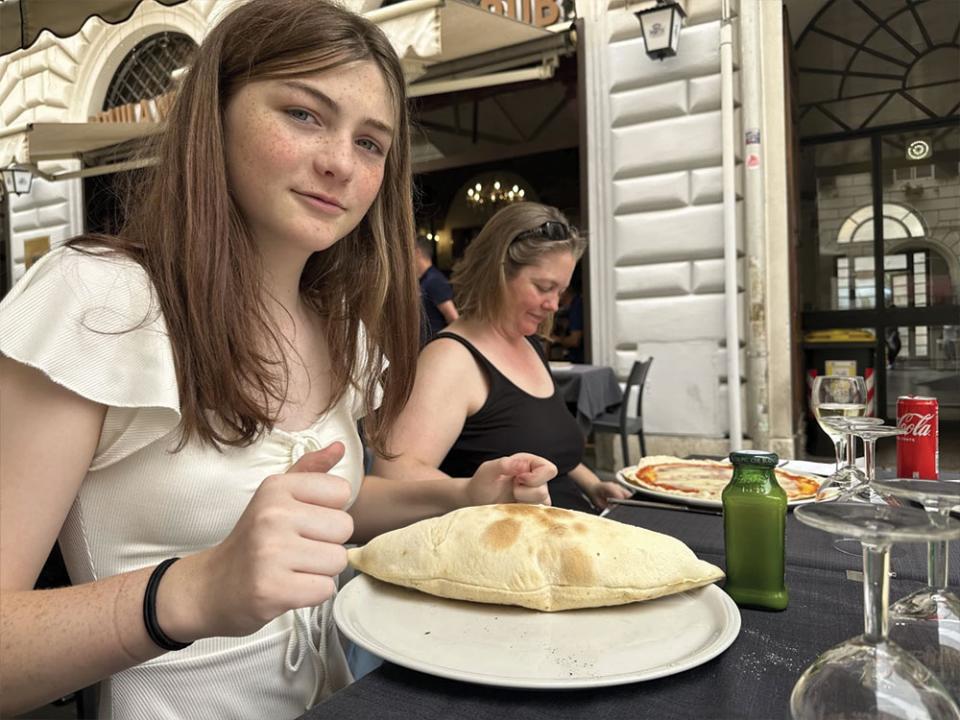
145,72
867,63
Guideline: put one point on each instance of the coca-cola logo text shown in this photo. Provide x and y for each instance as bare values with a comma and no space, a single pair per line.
916,424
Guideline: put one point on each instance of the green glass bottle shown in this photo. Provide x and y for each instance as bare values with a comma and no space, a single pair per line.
754,531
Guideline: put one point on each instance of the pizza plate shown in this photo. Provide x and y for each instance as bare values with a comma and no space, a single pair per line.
509,646
683,499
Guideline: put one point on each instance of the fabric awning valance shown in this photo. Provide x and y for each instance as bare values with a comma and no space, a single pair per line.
22,21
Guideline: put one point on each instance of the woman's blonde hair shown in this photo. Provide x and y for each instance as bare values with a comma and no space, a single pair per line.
510,240
185,229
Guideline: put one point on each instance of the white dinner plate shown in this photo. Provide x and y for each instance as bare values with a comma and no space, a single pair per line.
560,365
687,499
515,647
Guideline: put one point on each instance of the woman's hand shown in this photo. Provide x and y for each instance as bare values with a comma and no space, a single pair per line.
518,478
602,491
283,553
598,491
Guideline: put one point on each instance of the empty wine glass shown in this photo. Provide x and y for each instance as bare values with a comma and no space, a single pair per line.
869,676
853,477
870,434
835,396
853,484
927,622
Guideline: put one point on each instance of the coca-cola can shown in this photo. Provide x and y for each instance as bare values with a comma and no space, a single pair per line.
918,450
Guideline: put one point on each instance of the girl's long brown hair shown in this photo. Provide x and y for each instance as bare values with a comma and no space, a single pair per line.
184,228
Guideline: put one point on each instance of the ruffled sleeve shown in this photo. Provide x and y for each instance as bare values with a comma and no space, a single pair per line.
92,325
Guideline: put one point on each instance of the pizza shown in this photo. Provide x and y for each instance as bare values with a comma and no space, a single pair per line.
533,556
705,479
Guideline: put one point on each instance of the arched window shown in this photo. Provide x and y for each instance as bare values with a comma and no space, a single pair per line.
146,70
866,64
899,223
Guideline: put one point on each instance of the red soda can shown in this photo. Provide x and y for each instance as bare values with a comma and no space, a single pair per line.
918,450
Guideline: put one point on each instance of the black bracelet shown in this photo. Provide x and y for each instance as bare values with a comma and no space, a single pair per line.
158,636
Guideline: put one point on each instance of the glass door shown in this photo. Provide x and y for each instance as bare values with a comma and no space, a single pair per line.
920,171
880,255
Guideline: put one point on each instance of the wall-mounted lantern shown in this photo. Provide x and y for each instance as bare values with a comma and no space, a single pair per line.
17,179
661,28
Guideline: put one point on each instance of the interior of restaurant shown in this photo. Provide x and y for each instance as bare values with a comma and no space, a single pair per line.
447,211
475,151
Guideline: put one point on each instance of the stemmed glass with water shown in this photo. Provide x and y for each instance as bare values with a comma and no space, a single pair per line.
836,398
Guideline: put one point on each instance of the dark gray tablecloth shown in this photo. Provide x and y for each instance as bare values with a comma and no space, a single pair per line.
593,388
751,679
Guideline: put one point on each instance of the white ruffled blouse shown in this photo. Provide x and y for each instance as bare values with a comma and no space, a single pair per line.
92,325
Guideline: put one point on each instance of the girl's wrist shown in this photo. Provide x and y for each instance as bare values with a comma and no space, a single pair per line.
179,602
150,621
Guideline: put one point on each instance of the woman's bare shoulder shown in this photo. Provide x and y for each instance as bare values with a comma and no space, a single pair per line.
448,363
446,349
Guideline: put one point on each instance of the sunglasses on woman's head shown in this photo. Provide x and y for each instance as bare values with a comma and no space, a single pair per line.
552,230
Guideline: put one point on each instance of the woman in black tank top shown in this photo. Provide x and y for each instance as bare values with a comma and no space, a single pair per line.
483,387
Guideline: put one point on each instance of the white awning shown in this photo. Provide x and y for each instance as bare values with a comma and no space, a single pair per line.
428,32
59,141
39,142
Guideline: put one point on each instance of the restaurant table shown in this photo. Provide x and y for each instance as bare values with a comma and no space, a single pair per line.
753,678
592,388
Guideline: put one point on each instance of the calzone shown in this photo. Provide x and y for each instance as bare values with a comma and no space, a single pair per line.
534,556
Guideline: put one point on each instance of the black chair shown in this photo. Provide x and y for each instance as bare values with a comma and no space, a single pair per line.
616,419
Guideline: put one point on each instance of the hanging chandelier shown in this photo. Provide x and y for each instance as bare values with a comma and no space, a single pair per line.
493,196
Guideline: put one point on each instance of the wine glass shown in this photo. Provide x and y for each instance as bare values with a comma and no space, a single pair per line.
927,622
869,676
870,434
854,477
835,396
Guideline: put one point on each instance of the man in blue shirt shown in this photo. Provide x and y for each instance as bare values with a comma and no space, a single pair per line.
567,339
436,294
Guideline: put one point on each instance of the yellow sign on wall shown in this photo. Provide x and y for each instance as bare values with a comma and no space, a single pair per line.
843,368
34,249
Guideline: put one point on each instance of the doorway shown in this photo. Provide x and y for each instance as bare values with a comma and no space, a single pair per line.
880,251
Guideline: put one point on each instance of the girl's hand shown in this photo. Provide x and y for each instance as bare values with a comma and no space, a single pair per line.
283,553
600,493
518,478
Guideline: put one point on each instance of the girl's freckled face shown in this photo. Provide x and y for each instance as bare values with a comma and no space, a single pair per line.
306,155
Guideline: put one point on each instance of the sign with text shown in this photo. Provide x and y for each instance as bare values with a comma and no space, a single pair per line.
534,12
